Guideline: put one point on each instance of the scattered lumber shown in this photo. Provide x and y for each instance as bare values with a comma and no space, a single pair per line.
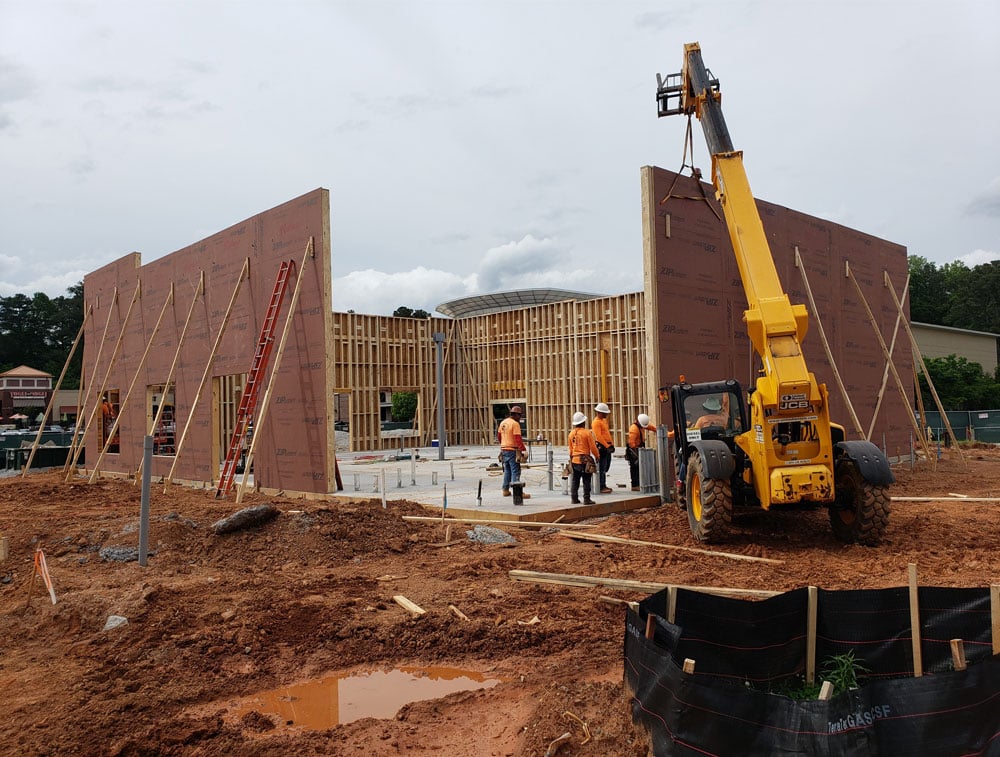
616,601
414,609
640,543
586,582
479,522
945,498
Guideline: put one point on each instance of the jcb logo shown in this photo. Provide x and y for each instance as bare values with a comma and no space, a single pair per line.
794,405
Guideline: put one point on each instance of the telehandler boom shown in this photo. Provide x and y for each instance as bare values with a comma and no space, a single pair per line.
777,446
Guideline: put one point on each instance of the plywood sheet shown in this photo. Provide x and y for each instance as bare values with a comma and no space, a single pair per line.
697,298
295,447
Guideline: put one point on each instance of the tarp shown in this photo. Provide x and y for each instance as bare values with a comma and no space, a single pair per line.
745,650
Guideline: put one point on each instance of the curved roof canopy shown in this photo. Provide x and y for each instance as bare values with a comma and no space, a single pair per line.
497,302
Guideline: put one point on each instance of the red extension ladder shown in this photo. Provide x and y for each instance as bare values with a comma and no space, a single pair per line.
248,402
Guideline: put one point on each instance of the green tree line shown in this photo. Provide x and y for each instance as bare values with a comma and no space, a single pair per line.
38,331
955,295
963,298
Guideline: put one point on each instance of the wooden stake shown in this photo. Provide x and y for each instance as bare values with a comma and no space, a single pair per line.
826,346
811,611
410,607
995,616
825,691
650,626
4,549
458,613
958,654
918,660
688,666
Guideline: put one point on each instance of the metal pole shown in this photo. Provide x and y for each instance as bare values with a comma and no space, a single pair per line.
439,349
147,463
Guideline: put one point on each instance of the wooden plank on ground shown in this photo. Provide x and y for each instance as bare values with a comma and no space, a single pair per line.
944,498
414,609
478,522
637,542
564,579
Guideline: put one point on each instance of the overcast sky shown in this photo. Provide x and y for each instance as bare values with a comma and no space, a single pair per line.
474,146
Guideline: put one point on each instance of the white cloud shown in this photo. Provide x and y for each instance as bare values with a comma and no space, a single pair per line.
379,293
488,176
978,257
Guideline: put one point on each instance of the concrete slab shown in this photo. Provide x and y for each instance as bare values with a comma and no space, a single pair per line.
471,477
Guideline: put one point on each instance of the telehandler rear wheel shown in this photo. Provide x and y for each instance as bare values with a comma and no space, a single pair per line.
861,512
709,502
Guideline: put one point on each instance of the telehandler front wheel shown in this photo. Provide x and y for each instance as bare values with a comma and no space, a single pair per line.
709,502
860,513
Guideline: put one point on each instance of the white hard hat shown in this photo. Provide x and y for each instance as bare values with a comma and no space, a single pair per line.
579,419
601,407
643,420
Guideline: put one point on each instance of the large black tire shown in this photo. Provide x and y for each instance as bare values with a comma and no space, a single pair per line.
709,502
860,514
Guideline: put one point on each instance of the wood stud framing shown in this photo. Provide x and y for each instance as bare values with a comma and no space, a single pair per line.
555,358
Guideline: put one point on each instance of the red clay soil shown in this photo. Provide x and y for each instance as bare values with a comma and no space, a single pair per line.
215,618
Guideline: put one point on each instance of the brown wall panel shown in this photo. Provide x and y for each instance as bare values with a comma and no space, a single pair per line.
696,319
295,446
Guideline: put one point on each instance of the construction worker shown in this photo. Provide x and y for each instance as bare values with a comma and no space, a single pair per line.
636,440
511,444
716,412
602,434
582,450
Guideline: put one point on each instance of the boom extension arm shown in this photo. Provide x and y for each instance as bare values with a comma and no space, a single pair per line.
776,327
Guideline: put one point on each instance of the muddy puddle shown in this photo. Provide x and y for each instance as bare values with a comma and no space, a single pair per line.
334,699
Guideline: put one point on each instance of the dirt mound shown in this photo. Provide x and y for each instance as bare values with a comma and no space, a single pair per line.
214,617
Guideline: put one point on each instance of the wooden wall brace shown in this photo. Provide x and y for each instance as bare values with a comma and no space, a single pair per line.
199,289
266,401
244,272
888,357
927,375
111,364
55,393
885,371
128,395
826,346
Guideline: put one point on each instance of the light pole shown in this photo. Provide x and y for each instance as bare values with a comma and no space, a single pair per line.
439,345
